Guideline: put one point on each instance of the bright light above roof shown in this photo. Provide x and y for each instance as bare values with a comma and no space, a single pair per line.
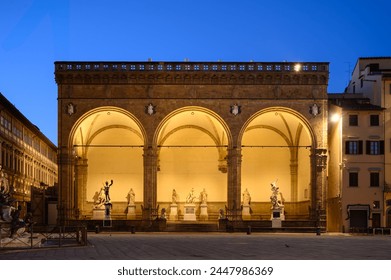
297,67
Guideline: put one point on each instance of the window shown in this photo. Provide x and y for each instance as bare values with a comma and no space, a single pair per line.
374,179
374,120
375,147
353,147
353,120
353,179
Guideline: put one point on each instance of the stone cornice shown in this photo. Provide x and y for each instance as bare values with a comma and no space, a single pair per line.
202,73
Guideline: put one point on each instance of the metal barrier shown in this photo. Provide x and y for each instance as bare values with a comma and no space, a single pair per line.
42,237
382,230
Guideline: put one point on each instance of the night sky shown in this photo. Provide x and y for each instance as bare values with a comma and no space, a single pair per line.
35,33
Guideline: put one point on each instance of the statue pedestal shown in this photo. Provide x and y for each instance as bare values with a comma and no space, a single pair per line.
204,212
246,212
131,214
189,212
278,213
173,212
277,217
98,214
107,219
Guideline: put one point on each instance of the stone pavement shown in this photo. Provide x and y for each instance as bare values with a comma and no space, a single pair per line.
215,246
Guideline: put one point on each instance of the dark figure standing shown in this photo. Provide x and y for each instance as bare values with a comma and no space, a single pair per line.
107,190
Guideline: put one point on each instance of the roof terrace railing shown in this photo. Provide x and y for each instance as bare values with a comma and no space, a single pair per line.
193,66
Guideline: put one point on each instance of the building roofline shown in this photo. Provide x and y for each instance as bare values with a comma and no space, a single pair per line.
15,111
374,57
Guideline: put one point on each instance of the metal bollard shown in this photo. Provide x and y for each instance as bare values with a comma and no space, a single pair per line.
133,229
248,230
97,229
318,231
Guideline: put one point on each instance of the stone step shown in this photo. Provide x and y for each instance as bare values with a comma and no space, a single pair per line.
192,227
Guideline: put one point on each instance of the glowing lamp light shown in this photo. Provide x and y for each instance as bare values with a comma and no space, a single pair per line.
335,117
297,67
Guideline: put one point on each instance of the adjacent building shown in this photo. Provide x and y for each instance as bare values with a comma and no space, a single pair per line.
28,160
372,78
356,167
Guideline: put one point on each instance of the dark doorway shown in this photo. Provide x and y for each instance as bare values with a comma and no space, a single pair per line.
358,218
376,220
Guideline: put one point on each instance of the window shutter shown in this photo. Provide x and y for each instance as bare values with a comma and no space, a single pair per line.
347,152
368,147
382,147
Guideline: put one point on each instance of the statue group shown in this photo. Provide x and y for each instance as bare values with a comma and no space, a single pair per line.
8,212
103,196
276,203
192,198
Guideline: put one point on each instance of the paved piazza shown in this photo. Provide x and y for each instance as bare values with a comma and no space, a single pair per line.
216,246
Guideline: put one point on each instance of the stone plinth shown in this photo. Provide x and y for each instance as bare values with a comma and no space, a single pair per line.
276,223
278,213
203,212
131,213
246,212
277,216
189,212
107,219
173,216
98,214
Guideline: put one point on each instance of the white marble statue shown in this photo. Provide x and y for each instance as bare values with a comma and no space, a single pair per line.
246,198
276,204
99,198
131,197
203,197
174,197
191,197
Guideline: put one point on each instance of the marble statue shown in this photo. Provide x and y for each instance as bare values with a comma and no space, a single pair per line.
174,197
6,197
246,198
131,197
221,214
99,198
163,214
3,181
203,197
276,204
191,197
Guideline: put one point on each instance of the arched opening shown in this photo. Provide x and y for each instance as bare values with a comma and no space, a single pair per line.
276,147
192,148
107,144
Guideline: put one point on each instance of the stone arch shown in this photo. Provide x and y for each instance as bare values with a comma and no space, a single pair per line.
192,145
107,143
277,144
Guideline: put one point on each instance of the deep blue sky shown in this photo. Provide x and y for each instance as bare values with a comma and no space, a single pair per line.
35,33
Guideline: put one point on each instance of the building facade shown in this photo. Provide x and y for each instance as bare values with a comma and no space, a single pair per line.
28,159
156,128
356,168
371,77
